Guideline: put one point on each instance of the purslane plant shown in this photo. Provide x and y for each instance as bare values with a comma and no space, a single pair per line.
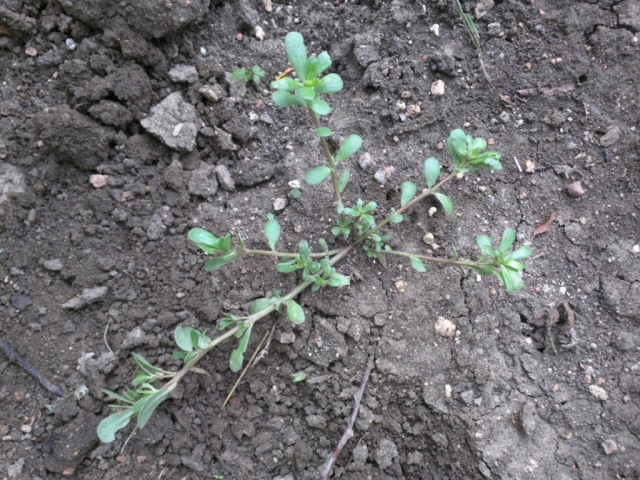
317,269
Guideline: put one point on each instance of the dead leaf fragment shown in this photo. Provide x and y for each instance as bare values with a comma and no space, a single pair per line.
544,226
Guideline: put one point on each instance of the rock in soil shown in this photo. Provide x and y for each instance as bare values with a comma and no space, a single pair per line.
70,444
89,296
173,121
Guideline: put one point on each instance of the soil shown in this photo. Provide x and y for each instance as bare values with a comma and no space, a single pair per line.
543,383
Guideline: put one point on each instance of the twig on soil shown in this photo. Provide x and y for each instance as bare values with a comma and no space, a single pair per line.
235,385
517,164
348,433
14,357
265,350
106,329
549,92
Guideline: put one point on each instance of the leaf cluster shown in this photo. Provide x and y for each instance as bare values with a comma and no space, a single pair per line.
319,273
499,262
253,75
214,245
191,342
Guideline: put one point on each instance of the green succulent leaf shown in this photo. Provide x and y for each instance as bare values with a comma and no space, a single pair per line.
307,93
417,264
218,262
318,106
514,265
271,231
225,322
286,83
235,363
338,280
286,99
431,171
507,279
294,312
350,146
182,336
303,248
112,424
322,132
297,53
343,179
457,147
331,83
288,266
195,338
484,244
317,175
203,239
151,403
445,202
118,397
408,192
259,305
483,270
315,66
295,193
224,245
508,237
521,253
395,218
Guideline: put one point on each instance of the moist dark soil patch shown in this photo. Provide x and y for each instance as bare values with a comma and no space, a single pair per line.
525,390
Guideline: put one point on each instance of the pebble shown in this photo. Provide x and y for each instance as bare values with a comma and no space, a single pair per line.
445,328
636,248
382,174
203,51
611,137
317,421
435,29
266,118
529,166
598,392
609,446
428,239
212,92
89,296
225,179
71,45
31,217
31,52
432,211
259,33
437,88
575,190
504,117
572,145
294,183
364,161
287,337
520,236
98,181
401,286
20,301
495,29
54,265
239,37
268,6
279,204
183,74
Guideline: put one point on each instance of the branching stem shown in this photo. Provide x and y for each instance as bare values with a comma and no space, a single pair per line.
287,254
327,152
447,261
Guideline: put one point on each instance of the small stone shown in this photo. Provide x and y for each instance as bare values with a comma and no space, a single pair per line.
432,211
413,110
15,470
435,29
437,88
134,338
401,286
20,301
54,265
582,220
530,166
89,296
98,181
611,137
31,52
31,217
183,74
401,106
225,179
268,6
445,328
429,239
266,118
259,33
287,337
385,453
365,160
239,37
609,446
382,174
504,117
212,92
636,248
317,421
495,29
156,228
294,184
575,190
405,94
598,392
71,45
279,204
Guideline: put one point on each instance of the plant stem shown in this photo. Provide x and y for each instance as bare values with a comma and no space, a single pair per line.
289,255
332,165
420,197
447,261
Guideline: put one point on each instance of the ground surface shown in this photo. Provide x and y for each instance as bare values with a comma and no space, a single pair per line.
519,393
